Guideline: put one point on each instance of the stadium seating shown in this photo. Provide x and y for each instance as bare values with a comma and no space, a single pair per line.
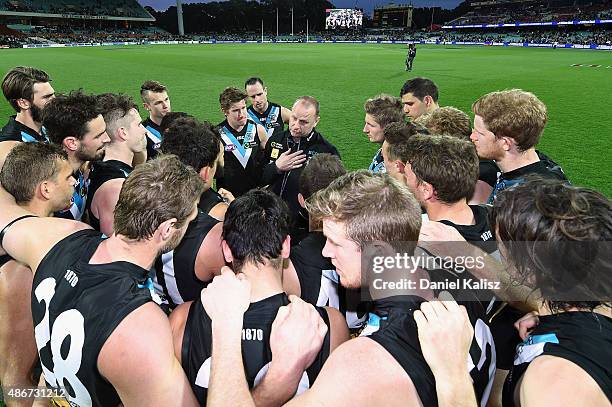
118,8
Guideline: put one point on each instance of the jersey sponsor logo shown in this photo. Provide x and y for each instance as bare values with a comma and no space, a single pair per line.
274,153
274,144
230,148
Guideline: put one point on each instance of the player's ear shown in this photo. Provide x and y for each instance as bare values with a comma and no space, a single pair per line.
23,103
71,143
286,249
165,228
227,252
317,121
301,200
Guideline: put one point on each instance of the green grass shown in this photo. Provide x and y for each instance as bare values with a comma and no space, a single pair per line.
343,76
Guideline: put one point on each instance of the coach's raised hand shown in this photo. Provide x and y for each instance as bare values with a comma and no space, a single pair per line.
288,161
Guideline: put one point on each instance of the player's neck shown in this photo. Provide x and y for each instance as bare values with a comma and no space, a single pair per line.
458,212
25,118
514,160
75,163
119,152
37,207
262,111
236,126
266,280
156,120
119,248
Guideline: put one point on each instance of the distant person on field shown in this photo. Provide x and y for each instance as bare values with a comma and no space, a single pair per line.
410,57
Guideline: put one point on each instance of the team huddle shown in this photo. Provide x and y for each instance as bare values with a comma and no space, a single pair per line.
174,262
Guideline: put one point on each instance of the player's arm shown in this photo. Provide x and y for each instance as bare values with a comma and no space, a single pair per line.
138,360
225,301
263,136
434,237
178,319
218,211
285,114
104,203
210,260
551,380
445,334
23,240
338,329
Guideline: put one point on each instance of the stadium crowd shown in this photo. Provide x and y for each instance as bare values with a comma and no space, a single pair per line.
58,35
171,261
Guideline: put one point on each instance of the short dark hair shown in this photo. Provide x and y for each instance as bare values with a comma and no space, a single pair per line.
253,81
38,160
567,221
420,87
113,108
320,171
68,115
151,86
194,143
397,135
229,96
18,83
261,211
170,118
448,163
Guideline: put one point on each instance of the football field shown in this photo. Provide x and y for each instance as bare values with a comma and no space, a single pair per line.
343,76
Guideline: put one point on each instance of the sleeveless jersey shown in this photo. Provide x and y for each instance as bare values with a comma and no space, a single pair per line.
479,233
516,177
79,198
378,163
392,325
271,119
242,156
175,270
209,199
102,171
584,338
154,138
17,131
256,354
319,282
85,303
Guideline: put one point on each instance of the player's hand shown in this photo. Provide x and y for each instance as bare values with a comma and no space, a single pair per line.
526,324
227,297
445,334
297,336
288,161
227,196
439,232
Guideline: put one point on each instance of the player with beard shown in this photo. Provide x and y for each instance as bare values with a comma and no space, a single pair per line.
243,141
48,188
156,101
507,127
27,90
128,137
260,259
270,115
74,122
94,290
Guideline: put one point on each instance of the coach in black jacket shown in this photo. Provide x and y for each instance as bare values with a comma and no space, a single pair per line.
286,154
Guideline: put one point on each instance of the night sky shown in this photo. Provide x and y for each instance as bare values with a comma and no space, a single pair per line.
368,6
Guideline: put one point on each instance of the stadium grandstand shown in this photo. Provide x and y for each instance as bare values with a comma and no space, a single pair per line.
48,23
